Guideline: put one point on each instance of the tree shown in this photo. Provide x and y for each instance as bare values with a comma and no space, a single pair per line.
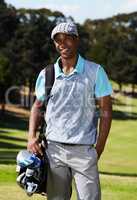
33,49
113,43
4,80
8,25
2,3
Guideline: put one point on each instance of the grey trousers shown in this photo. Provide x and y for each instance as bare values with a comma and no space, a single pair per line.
72,161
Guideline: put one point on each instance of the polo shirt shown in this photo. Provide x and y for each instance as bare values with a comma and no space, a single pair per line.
71,111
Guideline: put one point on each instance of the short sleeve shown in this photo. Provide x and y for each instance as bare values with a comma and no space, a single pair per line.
102,85
40,86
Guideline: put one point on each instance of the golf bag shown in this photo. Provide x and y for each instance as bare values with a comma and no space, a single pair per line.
32,172
31,168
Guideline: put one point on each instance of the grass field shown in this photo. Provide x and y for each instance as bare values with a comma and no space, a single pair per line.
117,166
112,189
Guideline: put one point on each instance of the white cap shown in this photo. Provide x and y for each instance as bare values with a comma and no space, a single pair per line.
65,27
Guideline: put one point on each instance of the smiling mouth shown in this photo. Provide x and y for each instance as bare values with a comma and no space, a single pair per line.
65,51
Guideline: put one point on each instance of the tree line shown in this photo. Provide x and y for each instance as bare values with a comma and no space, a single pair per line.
26,47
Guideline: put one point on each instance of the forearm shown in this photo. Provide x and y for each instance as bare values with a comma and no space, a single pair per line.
35,120
104,128
105,105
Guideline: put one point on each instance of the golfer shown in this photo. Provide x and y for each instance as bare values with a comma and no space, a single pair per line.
80,97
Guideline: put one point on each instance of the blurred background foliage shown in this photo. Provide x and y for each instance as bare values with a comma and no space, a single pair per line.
26,47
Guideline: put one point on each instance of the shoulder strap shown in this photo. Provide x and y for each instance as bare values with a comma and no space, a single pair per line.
49,81
49,77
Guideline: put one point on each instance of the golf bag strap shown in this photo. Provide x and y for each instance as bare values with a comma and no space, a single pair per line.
49,79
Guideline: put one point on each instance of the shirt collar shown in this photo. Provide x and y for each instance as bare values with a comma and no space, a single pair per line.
78,69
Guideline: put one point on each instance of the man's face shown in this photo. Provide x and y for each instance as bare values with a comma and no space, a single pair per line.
66,45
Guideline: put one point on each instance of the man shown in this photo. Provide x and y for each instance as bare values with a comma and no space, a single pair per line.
73,146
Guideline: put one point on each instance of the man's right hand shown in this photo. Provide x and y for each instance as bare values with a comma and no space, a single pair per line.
34,122
34,146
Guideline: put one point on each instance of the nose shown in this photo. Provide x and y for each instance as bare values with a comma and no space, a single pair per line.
62,44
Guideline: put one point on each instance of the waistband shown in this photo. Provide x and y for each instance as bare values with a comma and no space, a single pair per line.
71,144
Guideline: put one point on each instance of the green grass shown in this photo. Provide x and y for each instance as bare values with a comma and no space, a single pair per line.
118,188
11,141
7,174
120,153
113,187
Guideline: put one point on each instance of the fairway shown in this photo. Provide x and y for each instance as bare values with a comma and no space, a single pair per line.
113,188
117,166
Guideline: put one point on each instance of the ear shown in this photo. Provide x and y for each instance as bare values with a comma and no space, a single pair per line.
54,42
57,47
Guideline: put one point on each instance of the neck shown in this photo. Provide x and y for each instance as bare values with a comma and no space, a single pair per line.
68,65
